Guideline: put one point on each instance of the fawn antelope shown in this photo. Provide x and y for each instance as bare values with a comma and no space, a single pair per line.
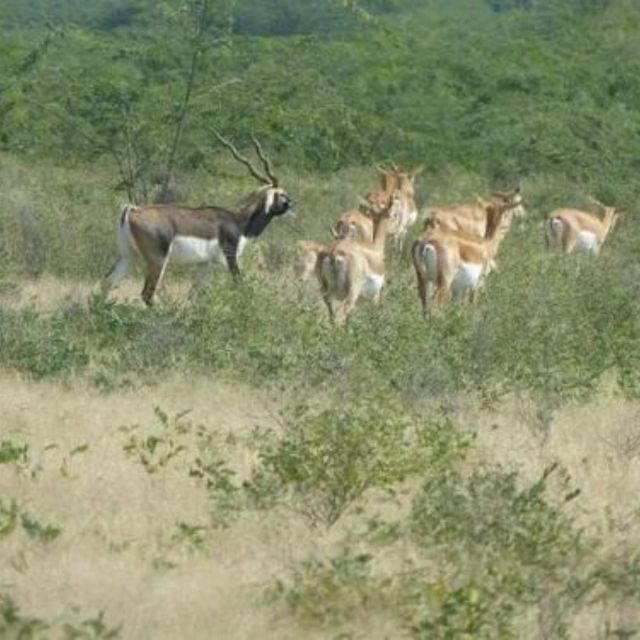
472,218
359,224
570,229
454,262
350,269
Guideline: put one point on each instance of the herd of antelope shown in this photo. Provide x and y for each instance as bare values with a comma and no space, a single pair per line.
452,257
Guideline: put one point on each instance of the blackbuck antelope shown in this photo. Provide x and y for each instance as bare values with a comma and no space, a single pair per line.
408,210
361,223
189,235
472,218
351,269
400,182
570,229
358,224
455,262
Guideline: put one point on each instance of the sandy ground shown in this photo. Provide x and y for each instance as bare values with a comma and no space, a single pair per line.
48,294
118,552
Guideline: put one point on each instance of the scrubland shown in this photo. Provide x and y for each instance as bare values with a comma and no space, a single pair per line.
229,465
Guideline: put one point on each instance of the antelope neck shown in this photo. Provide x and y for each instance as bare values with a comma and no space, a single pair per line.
256,222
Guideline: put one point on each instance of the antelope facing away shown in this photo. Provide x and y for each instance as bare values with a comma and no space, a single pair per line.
190,235
455,262
351,269
472,218
569,229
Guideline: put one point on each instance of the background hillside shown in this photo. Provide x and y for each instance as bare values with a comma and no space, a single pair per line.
505,88
228,462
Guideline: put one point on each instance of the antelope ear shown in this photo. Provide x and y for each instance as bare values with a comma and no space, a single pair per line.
334,233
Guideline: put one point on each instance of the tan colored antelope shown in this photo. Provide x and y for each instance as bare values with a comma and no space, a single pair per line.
456,263
159,233
308,251
408,209
352,269
360,223
357,224
472,218
572,229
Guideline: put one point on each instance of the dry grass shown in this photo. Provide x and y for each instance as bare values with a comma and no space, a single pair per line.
117,554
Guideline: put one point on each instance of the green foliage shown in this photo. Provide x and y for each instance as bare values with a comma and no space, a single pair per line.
39,345
16,626
482,558
518,551
572,108
13,625
11,453
487,513
8,517
203,453
328,592
11,514
91,629
154,452
325,461
37,531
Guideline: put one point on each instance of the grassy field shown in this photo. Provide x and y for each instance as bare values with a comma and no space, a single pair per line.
229,465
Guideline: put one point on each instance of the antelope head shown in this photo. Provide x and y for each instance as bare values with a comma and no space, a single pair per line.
276,201
513,198
610,215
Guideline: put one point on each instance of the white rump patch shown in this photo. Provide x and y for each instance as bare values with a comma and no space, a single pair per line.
588,242
372,285
430,259
467,279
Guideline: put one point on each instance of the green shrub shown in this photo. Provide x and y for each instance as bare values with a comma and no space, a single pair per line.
511,551
329,592
325,461
40,345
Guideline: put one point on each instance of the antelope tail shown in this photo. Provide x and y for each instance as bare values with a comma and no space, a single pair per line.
334,273
554,231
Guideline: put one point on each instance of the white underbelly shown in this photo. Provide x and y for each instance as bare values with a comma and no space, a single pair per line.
467,279
587,242
192,250
372,285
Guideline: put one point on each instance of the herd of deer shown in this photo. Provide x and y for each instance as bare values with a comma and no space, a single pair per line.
452,257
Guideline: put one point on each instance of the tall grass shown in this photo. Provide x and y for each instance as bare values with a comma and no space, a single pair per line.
544,322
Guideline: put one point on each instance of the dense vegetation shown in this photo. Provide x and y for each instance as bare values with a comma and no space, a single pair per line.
504,89
107,100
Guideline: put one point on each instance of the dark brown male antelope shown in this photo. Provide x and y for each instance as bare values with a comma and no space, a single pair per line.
159,233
